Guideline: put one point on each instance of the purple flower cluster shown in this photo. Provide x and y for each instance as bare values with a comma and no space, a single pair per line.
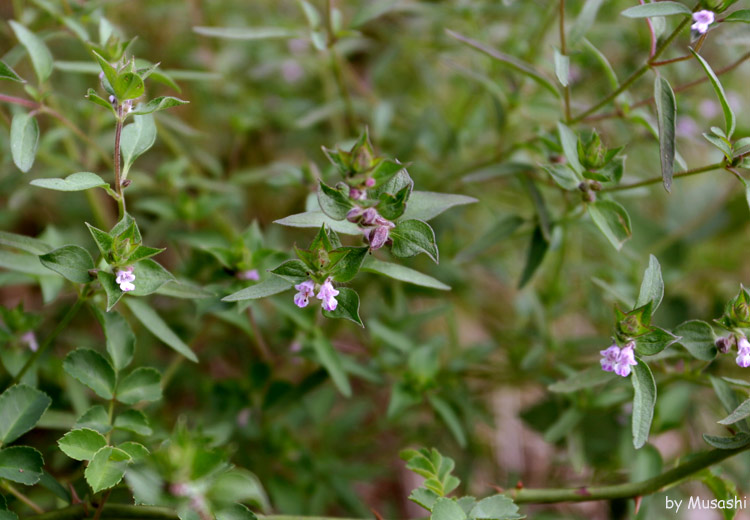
375,228
724,346
125,279
326,293
619,360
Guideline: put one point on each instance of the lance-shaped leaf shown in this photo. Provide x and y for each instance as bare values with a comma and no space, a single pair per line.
652,286
74,182
719,89
331,360
644,401
652,9
158,104
268,287
402,273
612,220
156,326
666,111
24,140
7,73
40,56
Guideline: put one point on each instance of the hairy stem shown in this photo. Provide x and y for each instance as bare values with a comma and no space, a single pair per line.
628,490
48,340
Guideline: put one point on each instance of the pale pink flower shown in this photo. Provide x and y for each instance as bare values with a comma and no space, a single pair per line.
30,339
618,360
125,279
305,291
327,294
702,20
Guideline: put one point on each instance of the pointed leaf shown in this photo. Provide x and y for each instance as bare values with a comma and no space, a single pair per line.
93,370
21,407
613,221
40,56
75,182
719,89
644,401
24,140
331,361
154,324
666,111
347,308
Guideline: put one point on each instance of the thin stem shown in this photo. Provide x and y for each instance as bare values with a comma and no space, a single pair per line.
99,509
564,51
337,69
634,76
118,181
23,498
48,340
628,490
655,180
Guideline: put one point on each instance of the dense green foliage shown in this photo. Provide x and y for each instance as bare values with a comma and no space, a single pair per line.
252,252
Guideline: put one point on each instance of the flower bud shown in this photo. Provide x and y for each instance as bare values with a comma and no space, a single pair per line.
355,194
379,237
369,216
595,185
724,344
354,215
370,182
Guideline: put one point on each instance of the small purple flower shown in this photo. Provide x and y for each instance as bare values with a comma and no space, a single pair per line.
305,291
378,236
743,352
702,20
356,194
724,344
251,274
354,214
370,182
618,360
369,216
30,340
327,294
125,279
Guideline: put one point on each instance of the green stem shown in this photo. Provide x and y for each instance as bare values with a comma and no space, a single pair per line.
564,51
635,75
48,340
628,490
118,180
655,180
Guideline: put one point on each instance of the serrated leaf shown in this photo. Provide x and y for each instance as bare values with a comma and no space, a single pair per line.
136,450
666,111
644,401
82,444
154,324
447,509
134,421
496,507
93,370
95,418
347,308
24,140
106,468
142,384
21,464
75,182
21,407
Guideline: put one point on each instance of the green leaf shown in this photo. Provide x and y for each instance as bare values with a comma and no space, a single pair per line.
426,205
402,273
447,509
569,144
496,507
333,201
666,111
584,21
40,56
177,289
424,497
93,370
104,240
24,140
728,443
107,468
588,378
136,450
742,411
149,277
142,384
133,421
75,182
128,85
729,399
268,287
21,464
110,73
154,324
111,288
21,407
652,286
82,444
654,341
537,250
24,243
448,415
348,266
742,15
92,96
246,33
719,89
331,361
119,336
8,73
137,138
293,271
158,104
643,402
73,262
370,10
95,418
698,338
612,220
236,512
392,207
656,9
510,61
347,308
411,237
315,219
562,67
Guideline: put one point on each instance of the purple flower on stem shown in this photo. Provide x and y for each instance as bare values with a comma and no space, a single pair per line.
618,360
743,352
328,294
30,340
305,291
125,279
369,216
702,20
377,237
